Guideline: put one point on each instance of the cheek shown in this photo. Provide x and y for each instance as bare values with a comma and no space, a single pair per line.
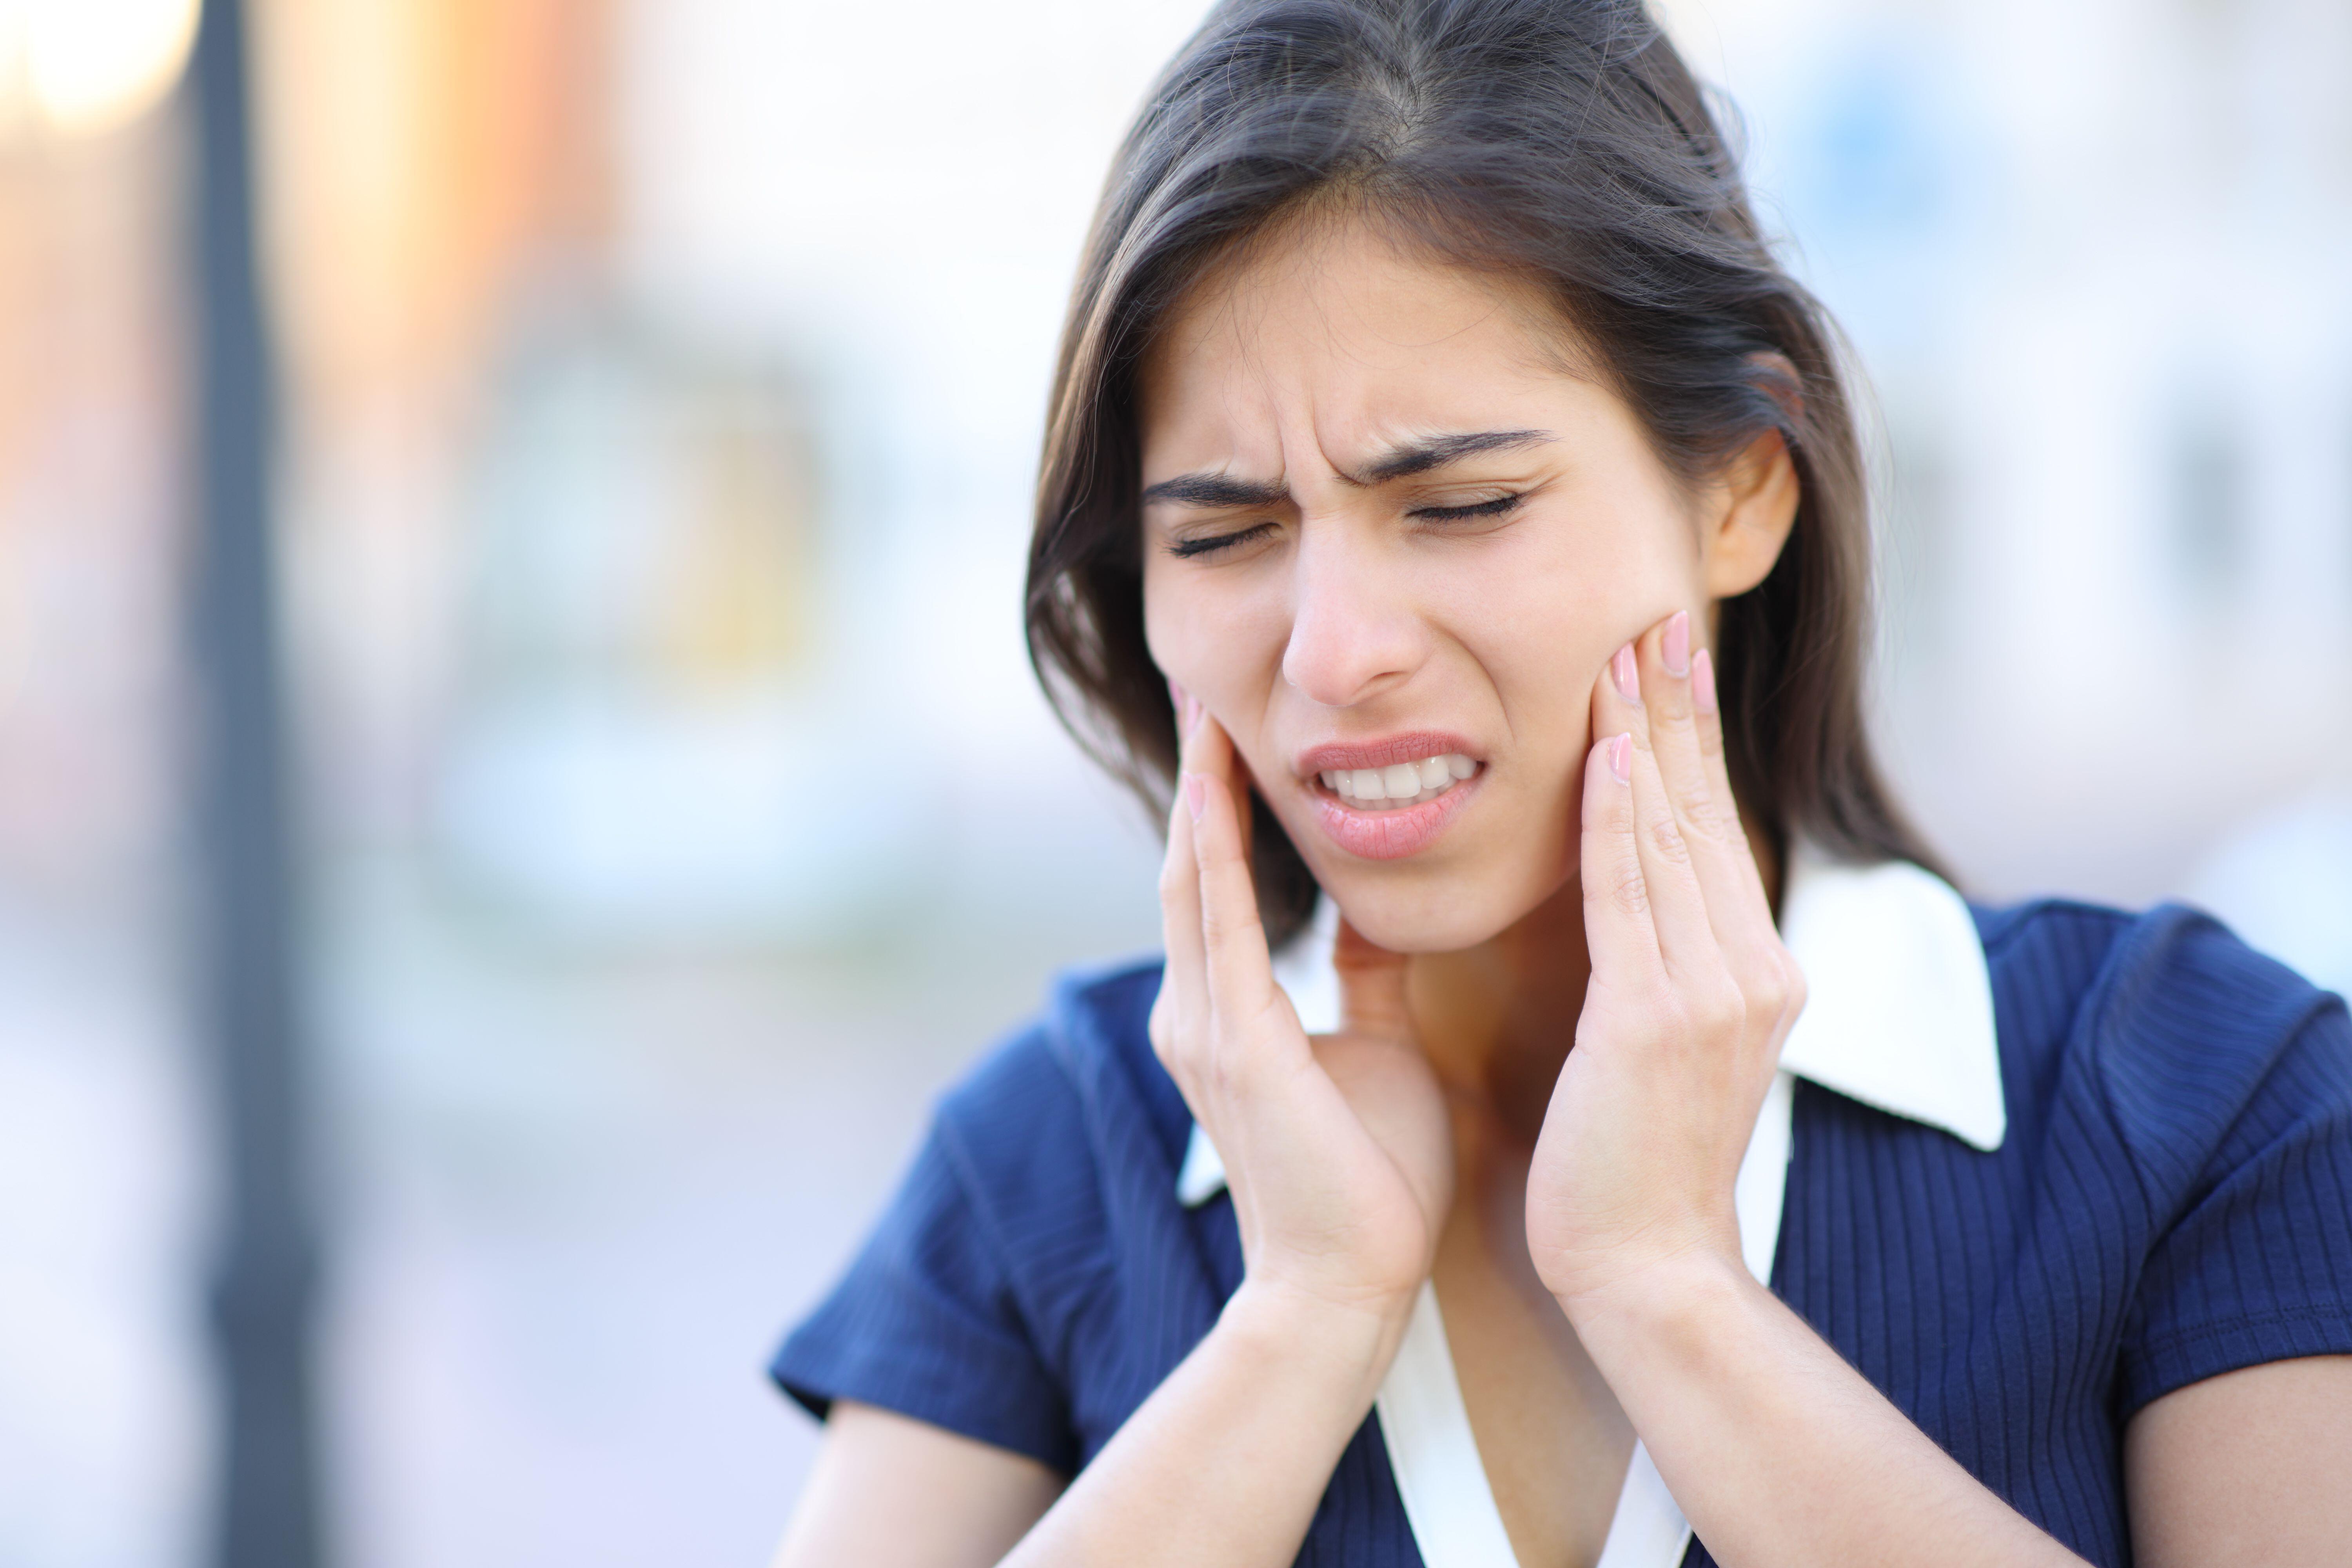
1543,667
1205,633
1542,621
1541,632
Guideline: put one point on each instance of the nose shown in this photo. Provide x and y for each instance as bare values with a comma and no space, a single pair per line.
1354,632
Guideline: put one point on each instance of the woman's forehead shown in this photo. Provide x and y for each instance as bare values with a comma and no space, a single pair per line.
1343,327
1351,299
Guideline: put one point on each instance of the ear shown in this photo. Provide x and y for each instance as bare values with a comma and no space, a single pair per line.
1745,520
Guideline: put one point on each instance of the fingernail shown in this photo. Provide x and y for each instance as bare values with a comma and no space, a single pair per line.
1674,646
1620,758
1196,795
1703,681
1628,679
1183,703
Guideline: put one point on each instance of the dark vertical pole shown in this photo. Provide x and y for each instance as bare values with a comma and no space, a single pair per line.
261,1293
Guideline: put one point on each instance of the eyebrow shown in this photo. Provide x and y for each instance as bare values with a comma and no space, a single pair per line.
1217,490
1440,451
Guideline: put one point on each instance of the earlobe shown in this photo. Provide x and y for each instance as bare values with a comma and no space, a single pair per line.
1754,508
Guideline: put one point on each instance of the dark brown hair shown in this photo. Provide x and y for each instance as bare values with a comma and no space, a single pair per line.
1562,141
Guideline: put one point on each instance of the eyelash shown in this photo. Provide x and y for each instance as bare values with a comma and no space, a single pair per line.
1495,508
1191,549
1186,549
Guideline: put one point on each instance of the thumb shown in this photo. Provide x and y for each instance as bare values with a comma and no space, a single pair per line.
1371,987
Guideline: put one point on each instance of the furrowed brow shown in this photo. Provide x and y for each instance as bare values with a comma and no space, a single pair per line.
1438,451
1216,490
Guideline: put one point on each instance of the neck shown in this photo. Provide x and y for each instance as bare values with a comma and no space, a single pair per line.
1497,1020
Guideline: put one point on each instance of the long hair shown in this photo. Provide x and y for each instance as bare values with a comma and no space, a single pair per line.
1560,141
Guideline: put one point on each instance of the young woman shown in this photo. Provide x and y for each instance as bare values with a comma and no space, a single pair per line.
1646,1157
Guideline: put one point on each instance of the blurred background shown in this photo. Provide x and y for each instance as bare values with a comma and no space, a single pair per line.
672,809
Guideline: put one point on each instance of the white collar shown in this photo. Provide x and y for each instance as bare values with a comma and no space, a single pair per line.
1898,1015
1898,1002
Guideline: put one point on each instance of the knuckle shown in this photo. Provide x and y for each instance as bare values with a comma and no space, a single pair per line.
1629,890
1763,979
1792,986
1728,1010
1163,1047
1163,1028
1220,925
1666,840
1712,1008
1706,820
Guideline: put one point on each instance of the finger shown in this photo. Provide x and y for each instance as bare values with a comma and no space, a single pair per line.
1664,656
1617,928
1180,1013
1240,968
1220,756
1706,722
1242,784
1767,972
1677,907
1709,820
1371,986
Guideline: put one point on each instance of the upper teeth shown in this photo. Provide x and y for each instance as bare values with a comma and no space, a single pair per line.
1399,783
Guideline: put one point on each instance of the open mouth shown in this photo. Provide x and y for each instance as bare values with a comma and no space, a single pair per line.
1400,784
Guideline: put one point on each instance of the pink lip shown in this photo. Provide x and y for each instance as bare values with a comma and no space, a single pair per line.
1406,748
1387,835
1393,834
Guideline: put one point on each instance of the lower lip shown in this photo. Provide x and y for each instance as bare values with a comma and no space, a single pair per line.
1393,834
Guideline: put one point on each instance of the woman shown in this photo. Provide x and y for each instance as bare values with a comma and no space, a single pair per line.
1648,1158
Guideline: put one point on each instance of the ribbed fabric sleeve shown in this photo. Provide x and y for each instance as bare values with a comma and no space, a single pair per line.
936,1319
2255,1262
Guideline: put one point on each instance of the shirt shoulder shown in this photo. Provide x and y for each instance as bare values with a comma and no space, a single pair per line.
1049,1092
2176,1028
988,1297
2190,1102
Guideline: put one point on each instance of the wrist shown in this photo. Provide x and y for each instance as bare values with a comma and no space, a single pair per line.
1677,1298
1346,1345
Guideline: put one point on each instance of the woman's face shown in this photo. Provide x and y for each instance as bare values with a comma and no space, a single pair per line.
1383,524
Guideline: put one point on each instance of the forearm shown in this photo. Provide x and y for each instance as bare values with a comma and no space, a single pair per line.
1228,1459
1779,1452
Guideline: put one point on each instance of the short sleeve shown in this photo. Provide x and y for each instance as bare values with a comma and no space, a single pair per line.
926,1324
2258,1265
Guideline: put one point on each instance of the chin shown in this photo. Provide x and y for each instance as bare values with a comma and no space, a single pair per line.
1409,919
1404,931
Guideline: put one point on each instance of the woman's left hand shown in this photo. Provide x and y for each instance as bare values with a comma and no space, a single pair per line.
1691,992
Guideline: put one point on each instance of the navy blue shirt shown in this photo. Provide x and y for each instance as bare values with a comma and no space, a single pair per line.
2173,1200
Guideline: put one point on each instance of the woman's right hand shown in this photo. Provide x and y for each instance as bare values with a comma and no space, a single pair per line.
1337,1149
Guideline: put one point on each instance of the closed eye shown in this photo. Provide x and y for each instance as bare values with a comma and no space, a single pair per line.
1496,508
1186,549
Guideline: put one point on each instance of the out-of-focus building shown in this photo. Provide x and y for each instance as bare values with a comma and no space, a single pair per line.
2090,257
